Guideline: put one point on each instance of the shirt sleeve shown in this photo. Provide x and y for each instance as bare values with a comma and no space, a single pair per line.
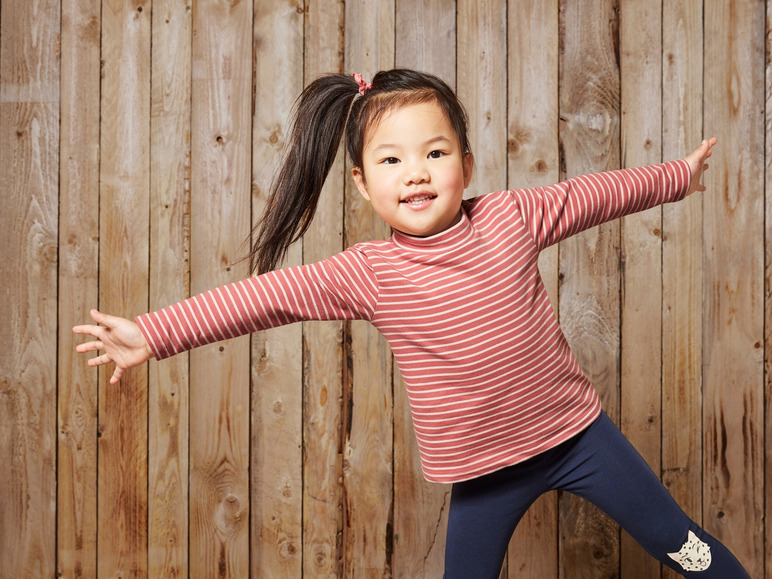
342,287
560,211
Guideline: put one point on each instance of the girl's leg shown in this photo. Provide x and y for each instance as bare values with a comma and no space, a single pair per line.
483,515
604,468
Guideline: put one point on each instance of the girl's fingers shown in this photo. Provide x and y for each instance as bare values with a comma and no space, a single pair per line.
96,315
105,319
85,329
99,360
100,318
105,359
89,346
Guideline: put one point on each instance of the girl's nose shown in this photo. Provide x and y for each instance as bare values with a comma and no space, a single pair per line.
416,173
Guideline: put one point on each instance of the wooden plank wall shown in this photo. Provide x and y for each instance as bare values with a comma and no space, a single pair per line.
137,143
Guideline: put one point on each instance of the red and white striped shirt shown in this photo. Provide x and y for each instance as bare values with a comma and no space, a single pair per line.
489,374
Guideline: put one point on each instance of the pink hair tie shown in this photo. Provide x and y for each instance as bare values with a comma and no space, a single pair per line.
363,86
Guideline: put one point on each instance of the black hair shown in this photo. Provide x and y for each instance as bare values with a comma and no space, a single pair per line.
328,107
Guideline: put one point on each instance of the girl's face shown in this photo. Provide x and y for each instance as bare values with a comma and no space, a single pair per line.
414,172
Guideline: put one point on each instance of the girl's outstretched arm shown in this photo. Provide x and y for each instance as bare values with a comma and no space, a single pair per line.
697,164
121,340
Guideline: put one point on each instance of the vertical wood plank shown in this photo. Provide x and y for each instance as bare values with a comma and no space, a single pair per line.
420,507
123,263
733,273
277,371
323,506
169,283
428,48
589,262
640,38
220,208
368,422
533,161
482,66
768,294
78,286
682,255
29,169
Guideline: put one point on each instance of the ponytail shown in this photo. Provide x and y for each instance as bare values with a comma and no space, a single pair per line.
318,123
326,109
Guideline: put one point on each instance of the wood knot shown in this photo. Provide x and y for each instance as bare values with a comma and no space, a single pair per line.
320,557
288,549
228,514
513,146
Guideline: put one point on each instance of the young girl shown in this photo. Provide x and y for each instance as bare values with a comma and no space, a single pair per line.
500,406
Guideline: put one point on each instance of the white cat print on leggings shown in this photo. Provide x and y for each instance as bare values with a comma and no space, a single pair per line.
694,555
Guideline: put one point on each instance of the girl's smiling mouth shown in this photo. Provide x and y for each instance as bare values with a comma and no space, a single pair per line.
418,200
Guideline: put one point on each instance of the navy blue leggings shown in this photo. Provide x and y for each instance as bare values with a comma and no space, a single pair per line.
599,465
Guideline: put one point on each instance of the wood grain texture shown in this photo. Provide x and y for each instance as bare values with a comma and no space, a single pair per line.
220,209
733,363
589,262
640,38
277,368
168,462
123,263
29,171
768,297
480,76
138,138
682,255
368,412
428,48
533,161
78,285
323,502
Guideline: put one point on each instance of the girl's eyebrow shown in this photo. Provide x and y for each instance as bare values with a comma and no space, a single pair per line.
432,141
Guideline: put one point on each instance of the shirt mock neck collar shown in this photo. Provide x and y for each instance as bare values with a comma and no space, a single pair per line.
453,235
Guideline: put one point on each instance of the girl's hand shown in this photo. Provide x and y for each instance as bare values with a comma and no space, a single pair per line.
697,164
121,340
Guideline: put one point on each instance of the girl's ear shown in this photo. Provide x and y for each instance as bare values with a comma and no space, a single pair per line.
468,166
359,180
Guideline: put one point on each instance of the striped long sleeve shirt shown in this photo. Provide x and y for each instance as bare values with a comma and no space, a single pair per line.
490,377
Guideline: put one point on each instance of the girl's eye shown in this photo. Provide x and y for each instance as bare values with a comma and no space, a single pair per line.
390,161
436,154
